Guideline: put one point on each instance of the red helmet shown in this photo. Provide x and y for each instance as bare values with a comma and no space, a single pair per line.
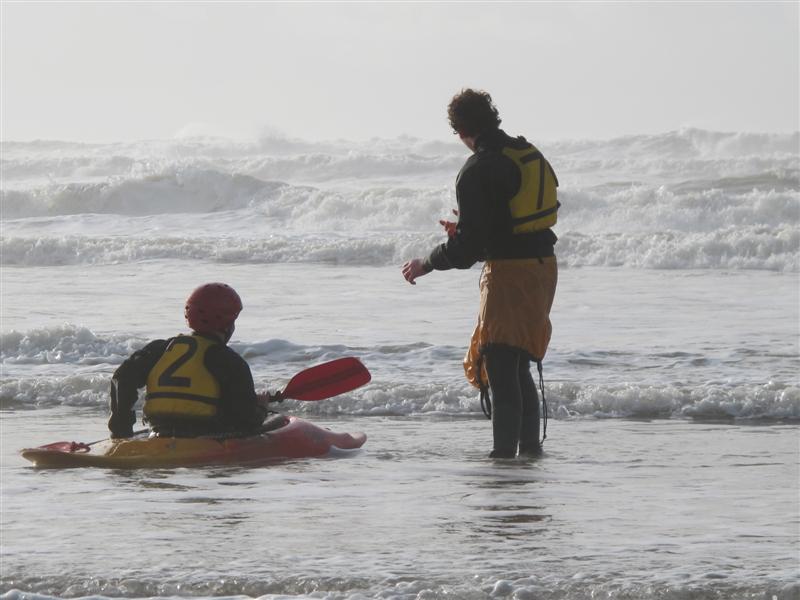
212,307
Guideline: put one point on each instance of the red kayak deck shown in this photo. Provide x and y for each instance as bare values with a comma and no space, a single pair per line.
297,439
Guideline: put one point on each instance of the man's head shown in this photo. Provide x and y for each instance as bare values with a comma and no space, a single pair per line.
471,113
212,309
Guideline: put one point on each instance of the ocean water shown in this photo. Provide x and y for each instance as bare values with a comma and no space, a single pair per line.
671,465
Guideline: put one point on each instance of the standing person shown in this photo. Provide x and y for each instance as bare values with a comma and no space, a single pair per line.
196,384
507,202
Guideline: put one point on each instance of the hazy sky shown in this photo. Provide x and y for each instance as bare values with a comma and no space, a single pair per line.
124,71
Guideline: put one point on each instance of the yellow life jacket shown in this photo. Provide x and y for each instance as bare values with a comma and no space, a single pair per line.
180,385
535,205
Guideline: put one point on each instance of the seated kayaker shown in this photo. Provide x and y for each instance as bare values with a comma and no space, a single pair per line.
196,384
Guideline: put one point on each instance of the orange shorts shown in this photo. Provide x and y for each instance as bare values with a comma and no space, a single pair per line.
516,297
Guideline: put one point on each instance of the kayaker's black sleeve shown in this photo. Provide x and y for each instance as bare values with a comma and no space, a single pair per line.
467,246
125,383
240,410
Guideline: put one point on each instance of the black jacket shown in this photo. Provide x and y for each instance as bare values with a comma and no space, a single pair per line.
484,187
239,408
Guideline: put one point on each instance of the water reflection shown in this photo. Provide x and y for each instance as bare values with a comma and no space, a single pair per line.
503,501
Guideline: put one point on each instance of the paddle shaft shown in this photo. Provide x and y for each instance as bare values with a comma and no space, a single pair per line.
141,431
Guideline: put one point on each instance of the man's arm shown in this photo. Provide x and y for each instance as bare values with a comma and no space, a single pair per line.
468,243
467,239
125,383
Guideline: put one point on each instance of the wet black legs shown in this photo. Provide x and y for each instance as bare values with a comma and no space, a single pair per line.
515,410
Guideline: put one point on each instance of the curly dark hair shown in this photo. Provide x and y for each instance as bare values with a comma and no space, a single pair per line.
471,112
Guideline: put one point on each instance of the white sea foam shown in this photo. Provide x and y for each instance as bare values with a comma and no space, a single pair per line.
688,199
390,393
67,343
753,247
650,153
172,191
769,402
545,587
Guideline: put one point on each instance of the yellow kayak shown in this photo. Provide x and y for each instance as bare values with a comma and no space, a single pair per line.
297,439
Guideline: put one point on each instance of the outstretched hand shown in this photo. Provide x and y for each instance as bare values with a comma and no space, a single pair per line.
416,267
413,269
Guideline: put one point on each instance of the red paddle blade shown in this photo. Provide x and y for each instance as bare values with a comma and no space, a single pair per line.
327,380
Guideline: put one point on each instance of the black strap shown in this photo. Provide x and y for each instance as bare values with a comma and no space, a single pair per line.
544,401
540,196
537,215
486,400
536,155
184,396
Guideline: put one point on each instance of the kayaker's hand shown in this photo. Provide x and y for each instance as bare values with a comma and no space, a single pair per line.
413,269
265,397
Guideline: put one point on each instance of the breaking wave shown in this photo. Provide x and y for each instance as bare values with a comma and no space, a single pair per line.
394,390
751,247
681,200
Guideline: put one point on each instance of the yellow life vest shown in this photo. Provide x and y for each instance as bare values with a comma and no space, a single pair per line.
180,385
535,205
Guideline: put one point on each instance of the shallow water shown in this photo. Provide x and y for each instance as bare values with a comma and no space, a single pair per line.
647,508
656,509
726,347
